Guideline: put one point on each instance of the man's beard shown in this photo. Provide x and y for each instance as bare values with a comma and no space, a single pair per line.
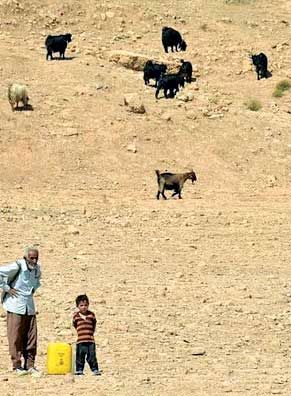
30,265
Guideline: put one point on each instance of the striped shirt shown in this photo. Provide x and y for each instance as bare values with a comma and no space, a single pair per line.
85,326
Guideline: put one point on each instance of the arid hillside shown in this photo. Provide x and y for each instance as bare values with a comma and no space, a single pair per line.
192,296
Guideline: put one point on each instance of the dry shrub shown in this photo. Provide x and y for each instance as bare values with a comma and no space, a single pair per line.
253,105
281,87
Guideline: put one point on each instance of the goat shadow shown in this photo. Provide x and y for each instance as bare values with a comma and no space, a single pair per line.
28,107
67,58
269,74
168,97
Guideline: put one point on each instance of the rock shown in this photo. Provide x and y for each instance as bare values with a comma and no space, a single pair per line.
226,20
185,96
195,68
129,60
271,182
99,85
132,147
166,117
198,352
134,103
136,61
73,230
110,14
216,116
195,86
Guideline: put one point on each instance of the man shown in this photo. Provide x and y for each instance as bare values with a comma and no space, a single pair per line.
19,281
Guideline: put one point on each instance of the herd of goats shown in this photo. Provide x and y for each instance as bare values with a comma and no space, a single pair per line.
169,83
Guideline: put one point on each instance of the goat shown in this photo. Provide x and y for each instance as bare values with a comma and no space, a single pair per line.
261,63
153,71
171,83
171,181
186,70
172,38
57,44
17,93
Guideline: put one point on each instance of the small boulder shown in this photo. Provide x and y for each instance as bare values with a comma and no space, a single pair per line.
185,96
134,103
132,147
134,61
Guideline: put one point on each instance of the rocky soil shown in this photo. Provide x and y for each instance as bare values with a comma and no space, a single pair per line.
192,296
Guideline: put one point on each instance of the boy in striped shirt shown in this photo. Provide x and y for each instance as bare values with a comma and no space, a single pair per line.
84,322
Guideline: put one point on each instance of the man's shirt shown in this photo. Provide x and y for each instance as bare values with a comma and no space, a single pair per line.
26,283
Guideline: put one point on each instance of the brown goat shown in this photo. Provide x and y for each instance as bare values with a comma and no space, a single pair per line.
171,181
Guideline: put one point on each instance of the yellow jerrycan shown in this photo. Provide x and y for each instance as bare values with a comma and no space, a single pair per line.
59,358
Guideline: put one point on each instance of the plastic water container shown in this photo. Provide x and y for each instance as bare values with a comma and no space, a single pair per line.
59,358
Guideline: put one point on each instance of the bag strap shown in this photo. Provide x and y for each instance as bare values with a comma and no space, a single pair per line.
4,294
17,273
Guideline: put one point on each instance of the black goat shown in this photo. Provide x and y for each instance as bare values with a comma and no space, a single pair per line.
170,83
172,38
153,71
57,44
171,181
261,63
186,70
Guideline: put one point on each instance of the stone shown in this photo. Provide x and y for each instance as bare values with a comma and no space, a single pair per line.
166,117
198,352
135,61
110,14
185,96
134,103
132,147
73,230
99,85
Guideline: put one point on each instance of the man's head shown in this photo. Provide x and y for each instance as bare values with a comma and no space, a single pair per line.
82,302
31,256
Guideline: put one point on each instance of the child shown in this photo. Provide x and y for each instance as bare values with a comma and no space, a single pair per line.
85,323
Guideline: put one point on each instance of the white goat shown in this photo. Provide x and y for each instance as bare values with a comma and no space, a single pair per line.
17,93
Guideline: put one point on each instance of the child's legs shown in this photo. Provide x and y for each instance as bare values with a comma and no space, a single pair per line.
91,356
81,352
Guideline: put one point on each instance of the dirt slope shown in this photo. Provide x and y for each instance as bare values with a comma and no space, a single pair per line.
167,279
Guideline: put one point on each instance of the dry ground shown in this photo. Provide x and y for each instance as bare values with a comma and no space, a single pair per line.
166,279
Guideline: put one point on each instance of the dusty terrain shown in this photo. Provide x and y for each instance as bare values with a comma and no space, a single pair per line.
192,296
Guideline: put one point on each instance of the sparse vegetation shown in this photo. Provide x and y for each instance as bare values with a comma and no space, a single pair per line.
281,87
214,100
253,105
